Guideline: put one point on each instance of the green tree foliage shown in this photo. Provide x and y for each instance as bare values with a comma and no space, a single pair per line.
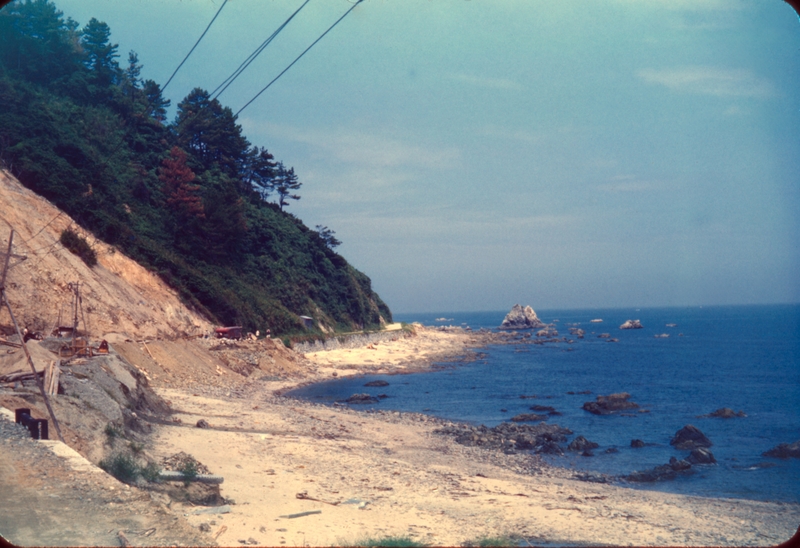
187,199
285,183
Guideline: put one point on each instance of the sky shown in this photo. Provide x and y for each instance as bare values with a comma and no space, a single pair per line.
474,154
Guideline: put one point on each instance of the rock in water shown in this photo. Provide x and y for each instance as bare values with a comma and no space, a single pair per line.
784,451
701,455
606,405
725,413
377,383
582,444
361,398
521,318
632,324
690,437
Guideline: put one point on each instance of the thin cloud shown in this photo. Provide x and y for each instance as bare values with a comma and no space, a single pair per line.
485,81
369,149
710,81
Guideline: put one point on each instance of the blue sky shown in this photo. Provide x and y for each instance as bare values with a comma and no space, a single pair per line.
473,154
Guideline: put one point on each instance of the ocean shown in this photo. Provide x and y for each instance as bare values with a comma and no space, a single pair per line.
743,357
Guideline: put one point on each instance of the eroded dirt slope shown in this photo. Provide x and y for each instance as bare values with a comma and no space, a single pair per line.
119,296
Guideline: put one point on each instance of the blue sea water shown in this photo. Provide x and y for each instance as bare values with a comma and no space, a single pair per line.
744,357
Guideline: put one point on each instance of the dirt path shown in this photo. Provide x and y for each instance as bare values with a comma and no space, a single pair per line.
46,501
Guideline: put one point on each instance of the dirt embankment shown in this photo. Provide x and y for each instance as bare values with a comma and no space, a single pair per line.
119,296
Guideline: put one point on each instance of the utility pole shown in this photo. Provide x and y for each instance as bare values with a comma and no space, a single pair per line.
7,256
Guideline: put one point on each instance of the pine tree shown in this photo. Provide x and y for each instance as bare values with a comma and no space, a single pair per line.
285,182
101,56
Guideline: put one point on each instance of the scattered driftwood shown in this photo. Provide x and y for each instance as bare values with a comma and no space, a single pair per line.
21,376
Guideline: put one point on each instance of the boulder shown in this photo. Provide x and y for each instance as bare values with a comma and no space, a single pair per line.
582,444
637,443
690,437
529,417
679,465
701,455
361,398
631,324
606,405
521,318
377,383
724,413
784,451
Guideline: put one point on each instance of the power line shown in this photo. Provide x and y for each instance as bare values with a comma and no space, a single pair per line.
230,79
298,57
195,45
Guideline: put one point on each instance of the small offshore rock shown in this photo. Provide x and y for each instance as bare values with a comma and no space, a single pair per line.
637,443
582,444
784,451
361,398
606,405
701,455
631,324
679,465
690,437
377,383
724,413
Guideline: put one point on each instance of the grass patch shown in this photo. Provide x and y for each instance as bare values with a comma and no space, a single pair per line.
189,471
122,466
126,468
113,431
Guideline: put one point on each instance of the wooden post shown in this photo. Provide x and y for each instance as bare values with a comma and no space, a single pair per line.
4,300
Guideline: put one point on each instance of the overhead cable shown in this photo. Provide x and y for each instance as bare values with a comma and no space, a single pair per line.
298,58
195,45
229,80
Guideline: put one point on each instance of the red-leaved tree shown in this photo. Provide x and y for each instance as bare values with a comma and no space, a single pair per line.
178,188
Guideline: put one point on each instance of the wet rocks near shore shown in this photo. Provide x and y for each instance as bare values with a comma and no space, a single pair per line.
529,417
631,324
784,451
377,383
582,445
613,403
701,455
690,437
508,437
360,398
521,318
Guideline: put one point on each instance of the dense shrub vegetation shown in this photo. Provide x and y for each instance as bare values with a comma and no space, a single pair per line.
190,199
79,246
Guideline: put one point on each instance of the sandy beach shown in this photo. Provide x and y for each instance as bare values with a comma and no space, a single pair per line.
298,474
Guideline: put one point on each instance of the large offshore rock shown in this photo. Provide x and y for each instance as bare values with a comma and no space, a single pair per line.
690,437
631,324
521,318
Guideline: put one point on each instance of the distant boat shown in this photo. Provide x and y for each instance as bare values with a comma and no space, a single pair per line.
444,319
598,320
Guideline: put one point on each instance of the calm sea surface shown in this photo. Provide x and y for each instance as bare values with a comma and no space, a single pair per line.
746,358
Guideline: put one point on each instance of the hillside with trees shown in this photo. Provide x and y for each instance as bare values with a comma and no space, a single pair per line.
191,199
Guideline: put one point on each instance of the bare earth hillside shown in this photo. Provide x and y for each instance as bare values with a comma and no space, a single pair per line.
119,296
